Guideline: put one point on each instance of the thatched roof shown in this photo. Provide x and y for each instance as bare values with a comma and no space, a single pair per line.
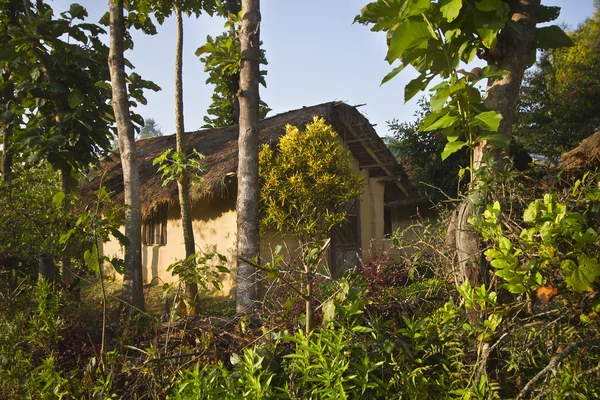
220,147
584,157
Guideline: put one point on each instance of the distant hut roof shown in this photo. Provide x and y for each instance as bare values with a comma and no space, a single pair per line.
584,157
220,147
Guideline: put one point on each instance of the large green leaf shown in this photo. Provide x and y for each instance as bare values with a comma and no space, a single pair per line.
547,13
443,122
530,213
583,273
383,14
416,85
75,98
495,139
392,74
404,36
415,7
488,36
499,6
552,37
451,148
91,259
492,71
207,48
439,98
488,120
450,9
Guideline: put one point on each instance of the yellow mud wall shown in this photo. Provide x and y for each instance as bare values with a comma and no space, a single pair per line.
408,222
215,228
371,211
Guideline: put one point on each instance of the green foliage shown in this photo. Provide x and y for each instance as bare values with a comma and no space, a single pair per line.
457,109
172,165
62,112
204,269
437,178
563,236
434,38
306,182
559,98
250,379
98,224
47,324
60,102
22,337
32,218
222,62
150,129
45,382
162,9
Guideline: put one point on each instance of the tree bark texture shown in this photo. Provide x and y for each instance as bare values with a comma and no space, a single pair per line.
7,127
132,279
248,188
310,312
468,247
183,184
46,268
65,186
512,54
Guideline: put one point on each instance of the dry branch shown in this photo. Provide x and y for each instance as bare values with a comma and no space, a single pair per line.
555,363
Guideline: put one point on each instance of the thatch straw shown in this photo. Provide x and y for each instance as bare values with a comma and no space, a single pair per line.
220,147
584,157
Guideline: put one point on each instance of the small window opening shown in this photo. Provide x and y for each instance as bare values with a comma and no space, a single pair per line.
155,227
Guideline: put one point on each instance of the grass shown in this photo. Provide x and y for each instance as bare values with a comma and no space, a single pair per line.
155,298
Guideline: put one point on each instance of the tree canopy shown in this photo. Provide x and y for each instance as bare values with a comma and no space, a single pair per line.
307,181
560,96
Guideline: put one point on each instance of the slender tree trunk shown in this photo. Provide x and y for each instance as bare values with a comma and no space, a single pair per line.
132,280
7,127
183,184
65,186
7,95
46,268
502,96
6,151
248,188
310,312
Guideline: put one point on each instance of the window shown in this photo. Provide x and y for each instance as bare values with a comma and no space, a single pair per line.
155,227
387,222
345,241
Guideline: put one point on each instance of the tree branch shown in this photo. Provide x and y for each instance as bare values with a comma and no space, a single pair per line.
554,364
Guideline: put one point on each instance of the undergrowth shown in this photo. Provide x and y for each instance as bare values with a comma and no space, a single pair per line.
386,330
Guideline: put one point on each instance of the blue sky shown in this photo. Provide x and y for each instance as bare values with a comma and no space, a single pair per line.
315,55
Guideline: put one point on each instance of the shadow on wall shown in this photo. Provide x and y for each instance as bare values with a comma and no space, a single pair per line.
154,265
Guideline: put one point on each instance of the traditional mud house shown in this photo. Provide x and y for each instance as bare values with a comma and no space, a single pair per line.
213,202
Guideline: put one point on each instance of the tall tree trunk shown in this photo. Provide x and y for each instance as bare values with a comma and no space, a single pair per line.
516,50
46,268
502,96
183,184
310,311
132,280
65,186
7,128
58,109
248,188
6,96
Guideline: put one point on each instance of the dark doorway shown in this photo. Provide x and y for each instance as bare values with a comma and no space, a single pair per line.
345,242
